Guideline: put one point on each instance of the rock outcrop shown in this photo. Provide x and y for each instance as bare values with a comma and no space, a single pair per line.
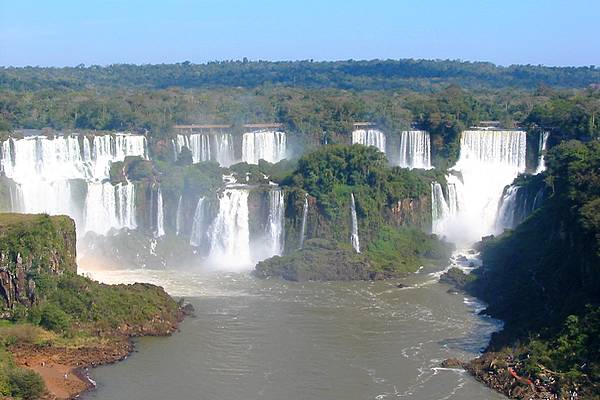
29,245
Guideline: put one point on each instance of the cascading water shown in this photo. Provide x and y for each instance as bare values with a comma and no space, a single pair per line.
440,211
489,160
160,228
507,209
304,217
415,150
207,147
64,175
230,233
354,237
198,234
276,221
370,137
179,217
541,149
263,145
109,207
516,205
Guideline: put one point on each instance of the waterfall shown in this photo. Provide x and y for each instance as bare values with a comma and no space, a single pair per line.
179,217
263,145
207,147
198,233
354,237
440,210
515,205
370,137
109,207
49,172
489,160
160,229
508,208
543,142
229,233
276,221
224,153
415,150
304,217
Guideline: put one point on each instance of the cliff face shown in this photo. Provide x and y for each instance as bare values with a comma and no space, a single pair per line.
31,244
412,212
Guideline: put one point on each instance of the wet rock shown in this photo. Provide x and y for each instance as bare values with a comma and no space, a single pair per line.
401,285
452,363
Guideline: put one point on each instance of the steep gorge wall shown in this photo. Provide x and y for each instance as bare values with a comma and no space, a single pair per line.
30,245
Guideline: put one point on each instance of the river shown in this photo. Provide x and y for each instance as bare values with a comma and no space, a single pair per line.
271,339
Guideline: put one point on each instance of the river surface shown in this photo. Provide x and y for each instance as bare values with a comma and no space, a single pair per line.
277,340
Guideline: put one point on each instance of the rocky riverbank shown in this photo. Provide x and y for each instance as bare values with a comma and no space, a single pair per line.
63,365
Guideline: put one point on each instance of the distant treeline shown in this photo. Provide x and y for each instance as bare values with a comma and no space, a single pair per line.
415,75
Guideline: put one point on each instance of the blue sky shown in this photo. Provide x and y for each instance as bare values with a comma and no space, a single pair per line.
61,32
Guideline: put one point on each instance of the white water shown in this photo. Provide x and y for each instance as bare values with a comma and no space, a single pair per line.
541,149
304,217
415,150
48,173
370,137
440,211
229,233
198,233
354,239
207,147
263,145
508,208
276,221
109,207
489,160
160,227
179,217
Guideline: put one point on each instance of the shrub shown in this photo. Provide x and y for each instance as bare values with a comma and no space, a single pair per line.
54,319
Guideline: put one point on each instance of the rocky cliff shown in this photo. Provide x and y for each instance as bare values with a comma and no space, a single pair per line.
30,245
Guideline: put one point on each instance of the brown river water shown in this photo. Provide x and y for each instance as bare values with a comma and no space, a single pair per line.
275,340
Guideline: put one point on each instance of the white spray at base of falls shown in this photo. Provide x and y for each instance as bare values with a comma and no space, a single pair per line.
263,145
354,236
160,218
543,142
230,232
415,150
304,218
275,224
369,137
198,233
489,160
67,175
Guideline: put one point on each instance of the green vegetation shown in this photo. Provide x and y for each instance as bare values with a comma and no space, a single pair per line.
360,75
398,251
15,382
543,278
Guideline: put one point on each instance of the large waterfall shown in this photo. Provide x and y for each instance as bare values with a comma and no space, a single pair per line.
275,224
207,147
109,207
489,160
304,218
198,233
543,142
354,236
515,205
179,217
369,137
263,145
230,233
65,174
415,150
